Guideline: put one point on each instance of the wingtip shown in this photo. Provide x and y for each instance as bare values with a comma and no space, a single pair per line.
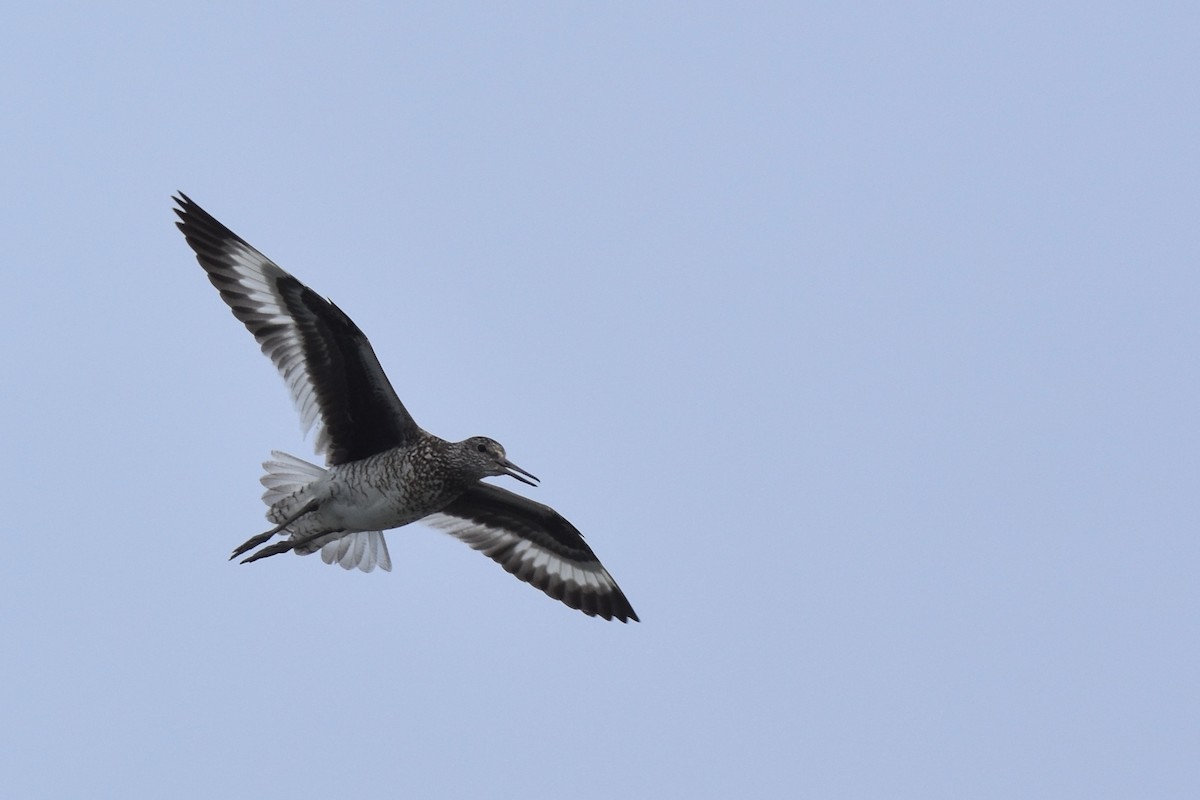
626,614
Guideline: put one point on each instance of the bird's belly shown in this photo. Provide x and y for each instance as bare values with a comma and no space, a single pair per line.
370,510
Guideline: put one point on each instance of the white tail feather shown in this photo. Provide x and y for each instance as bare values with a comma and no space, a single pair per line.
285,475
362,549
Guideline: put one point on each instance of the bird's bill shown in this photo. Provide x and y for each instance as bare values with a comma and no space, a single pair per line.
513,471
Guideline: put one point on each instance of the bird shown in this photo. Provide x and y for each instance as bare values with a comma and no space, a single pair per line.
382,470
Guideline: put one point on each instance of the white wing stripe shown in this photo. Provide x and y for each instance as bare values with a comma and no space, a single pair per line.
590,577
255,283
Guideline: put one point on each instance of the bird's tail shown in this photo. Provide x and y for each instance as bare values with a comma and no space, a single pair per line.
287,480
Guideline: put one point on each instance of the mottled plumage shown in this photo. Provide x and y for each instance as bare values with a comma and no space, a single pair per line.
383,471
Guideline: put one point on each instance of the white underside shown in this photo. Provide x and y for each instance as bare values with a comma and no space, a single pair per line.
361,548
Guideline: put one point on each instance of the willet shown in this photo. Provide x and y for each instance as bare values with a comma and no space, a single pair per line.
382,470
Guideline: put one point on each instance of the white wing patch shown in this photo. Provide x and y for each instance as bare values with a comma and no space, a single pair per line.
526,559
256,277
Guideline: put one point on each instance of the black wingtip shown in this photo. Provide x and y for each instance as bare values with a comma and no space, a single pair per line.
183,203
624,612
201,229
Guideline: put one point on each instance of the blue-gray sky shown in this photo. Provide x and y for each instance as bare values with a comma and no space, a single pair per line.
861,343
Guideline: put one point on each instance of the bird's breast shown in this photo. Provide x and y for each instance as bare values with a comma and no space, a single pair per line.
383,492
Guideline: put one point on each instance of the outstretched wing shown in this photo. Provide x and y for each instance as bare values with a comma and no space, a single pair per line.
536,544
330,369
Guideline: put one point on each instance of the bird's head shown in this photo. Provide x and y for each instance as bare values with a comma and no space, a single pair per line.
486,456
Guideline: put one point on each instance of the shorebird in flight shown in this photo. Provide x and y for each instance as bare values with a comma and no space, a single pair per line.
382,470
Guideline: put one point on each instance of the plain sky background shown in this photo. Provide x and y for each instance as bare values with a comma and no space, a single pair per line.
859,339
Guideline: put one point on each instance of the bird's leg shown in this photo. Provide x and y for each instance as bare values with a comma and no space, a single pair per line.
255,541
284,546
275,549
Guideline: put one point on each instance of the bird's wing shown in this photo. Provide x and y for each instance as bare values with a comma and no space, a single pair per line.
536,544
330,369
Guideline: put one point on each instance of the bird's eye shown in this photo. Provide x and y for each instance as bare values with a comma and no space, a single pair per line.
481,447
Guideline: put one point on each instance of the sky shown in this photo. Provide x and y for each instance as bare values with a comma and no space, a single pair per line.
860,340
